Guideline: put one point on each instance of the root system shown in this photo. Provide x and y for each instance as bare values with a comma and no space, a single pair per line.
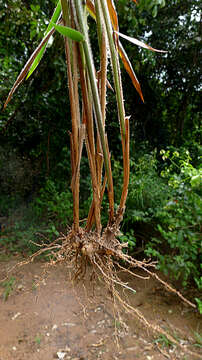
106,258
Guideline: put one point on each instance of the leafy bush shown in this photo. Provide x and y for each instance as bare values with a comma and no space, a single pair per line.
164,211
22,239
42,218
179,171
54,205
22,231
178,249
147,193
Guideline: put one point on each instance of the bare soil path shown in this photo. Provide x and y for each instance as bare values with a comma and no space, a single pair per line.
45,317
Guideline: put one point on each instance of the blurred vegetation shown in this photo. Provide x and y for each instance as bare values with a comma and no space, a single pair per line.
163,214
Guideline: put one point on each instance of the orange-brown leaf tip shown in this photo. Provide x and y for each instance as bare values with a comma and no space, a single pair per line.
113,14
129,69
139,43
91,8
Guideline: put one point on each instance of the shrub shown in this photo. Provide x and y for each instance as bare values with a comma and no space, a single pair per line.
147,195
178,249
54,205
164,212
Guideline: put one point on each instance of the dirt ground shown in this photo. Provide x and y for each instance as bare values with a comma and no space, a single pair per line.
43,316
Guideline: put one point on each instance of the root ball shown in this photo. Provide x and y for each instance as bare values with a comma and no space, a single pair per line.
88,249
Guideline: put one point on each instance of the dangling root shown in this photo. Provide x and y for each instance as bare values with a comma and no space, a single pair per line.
104,254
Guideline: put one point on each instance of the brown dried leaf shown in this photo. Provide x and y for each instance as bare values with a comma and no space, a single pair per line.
129,69
113,14
139,43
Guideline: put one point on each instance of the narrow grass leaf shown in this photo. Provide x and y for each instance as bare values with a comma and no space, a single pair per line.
69,32
27,66
113,15
54,19
129,69
139,43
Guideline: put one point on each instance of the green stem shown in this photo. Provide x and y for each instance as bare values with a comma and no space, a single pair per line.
94,89
99,25
64,5
115,67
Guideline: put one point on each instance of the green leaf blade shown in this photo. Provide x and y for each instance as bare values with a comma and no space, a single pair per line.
69,32
36,61
54,19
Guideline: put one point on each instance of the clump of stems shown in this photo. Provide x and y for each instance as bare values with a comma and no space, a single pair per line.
87,87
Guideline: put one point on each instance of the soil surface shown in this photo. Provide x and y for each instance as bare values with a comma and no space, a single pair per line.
44,316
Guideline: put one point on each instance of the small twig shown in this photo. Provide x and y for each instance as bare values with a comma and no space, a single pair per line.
130,309
113,280
130,272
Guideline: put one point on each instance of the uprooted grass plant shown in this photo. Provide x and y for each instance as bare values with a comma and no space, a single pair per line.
88,86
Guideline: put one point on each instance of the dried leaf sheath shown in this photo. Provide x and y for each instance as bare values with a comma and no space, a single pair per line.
102,81
87,104
74,116
96,191
126,173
